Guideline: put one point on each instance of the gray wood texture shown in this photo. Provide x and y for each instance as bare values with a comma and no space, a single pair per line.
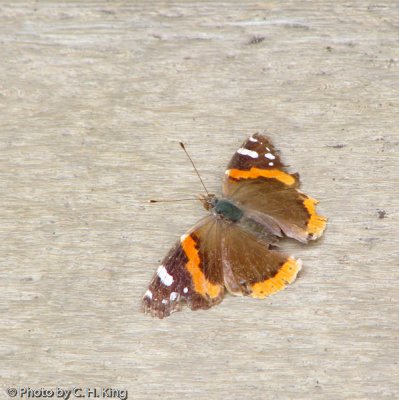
94,97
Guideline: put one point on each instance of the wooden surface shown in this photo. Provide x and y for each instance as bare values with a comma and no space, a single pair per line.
94,97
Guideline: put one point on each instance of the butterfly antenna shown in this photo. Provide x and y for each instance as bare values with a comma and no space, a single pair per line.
170,200
195,169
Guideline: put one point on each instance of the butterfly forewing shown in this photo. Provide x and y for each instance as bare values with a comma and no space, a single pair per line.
190,273
257,152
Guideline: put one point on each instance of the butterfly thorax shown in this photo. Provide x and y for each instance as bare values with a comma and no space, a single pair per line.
222,208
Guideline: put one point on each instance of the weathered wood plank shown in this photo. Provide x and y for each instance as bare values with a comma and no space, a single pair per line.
94,97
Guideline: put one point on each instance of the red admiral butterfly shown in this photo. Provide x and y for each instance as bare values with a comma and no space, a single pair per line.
231,249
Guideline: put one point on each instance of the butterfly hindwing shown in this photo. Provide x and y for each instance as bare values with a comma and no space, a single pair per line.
259,182
251,268
191,272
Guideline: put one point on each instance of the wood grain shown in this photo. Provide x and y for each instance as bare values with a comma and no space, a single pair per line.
94,97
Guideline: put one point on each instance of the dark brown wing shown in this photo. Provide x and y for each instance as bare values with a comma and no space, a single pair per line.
258,181
250,268
191,272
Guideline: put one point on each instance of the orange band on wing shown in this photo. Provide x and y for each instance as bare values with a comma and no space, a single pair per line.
254,173
284,276
316,222
201,284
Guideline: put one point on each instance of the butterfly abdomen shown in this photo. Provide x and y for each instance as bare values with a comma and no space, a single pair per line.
227,210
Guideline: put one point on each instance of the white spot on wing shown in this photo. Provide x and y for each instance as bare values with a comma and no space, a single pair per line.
164,301
271,163
183,238
227,172
252,139
246,152
185,290
267,149
173,296
270,156
148,294
163,275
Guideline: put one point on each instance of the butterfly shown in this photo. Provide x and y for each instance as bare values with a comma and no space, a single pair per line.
233,248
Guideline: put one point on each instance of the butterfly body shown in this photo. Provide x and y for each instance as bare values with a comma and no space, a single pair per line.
231,248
